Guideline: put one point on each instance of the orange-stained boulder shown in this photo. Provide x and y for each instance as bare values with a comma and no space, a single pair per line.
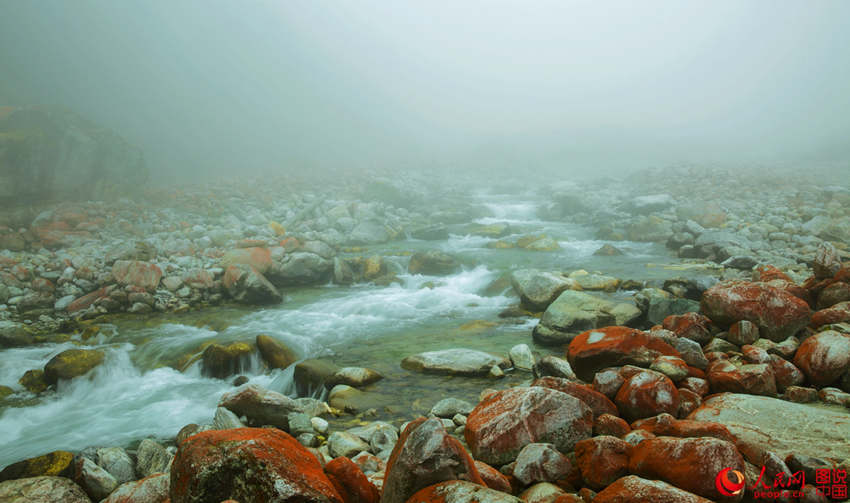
668,426
256,257
133,272
692,326
459,491
602,460
350,482
647,394
506,421
777,313
691,464
753,378
493,478
824,357
633,489
248,464
425,454
839,313
598,403
606,424
151,489
597,349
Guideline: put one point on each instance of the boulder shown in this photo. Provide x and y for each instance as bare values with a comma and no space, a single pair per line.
117,462
656,305
151,489
432,263
299,268
824,357
223,361
45,489
350,482
341,443
275,353
573,312
505,421
312,375
668,426
455,361
691,326
151,457
137,273
632,489
602,460
691,464
72,363
537,289
248,464
777,313
827,261
756,379
553,366
256,257
538,462
838,313
460,491
247,285
56,463
354,376
598,403
425,454
646,394
260,406
614,346
94,480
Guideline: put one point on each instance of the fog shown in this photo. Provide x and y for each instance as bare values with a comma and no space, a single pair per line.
209,88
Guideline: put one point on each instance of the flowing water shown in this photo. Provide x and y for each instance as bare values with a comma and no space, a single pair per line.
136,394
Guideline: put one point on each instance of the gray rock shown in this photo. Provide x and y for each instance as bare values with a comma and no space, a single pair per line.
448,407
690,351
521,357
368,232
151,457
553,366
153,488
299,268
657,304
538,289
224,419
299,423
455,361
260,406
117,462
541,462
247,285
42,490
94,480
342,443
574,312
354,376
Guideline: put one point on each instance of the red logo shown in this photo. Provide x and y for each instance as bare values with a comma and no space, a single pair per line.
729,482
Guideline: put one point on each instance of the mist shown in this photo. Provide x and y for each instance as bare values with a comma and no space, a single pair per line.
216,88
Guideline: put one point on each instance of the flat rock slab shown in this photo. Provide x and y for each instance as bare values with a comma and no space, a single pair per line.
780,426
456,361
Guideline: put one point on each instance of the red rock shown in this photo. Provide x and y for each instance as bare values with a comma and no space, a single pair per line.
458,491
692,326
606,424
777,313
350,482
493,478
824,357
743,332
88,299
248,464
198,278
839,313
425,454
792,288
688,402
633,489
695,384
602,460
647,394
833,294
755,354
258,258
770,273
542,492
505,421
665,425
786,373
134,272
608,382
152,489
597,349
754,379
541,463
598,403
691,464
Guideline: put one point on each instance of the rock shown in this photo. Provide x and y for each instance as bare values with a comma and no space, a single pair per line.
838,313
827,261
345,444
449,407
224,420
573,312
151,489
824,357
247,464
538,289
588,281
554,367
646,394
608,250
540,242
691,464
455,361
691,352
493,478
136,273
352,400
598,403
223,361
350,482
743,332
94,480
368,232
691,326
45,489
312,375
602,460
538,462
460,491
777,313
594,350
259,258
13,334
424,455
608,382
247,285
668,426
756,379
275,353
765,423
354,376
632,489
299,268
432,263
656,305
117,462
431,233
151,457
56,463
72,363
505,421
521,357
260,406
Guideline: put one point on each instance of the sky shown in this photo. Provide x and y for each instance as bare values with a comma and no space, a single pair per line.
219,88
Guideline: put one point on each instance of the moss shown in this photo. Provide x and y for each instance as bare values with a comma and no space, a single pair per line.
56,463
33,381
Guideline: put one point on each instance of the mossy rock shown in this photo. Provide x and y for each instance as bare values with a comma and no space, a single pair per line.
274,353
312,374
223,361
33,381
5,391
56,463
72,363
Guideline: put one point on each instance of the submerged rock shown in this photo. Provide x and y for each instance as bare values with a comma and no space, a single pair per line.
432,263
455,361
275,353
72,363
223,361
